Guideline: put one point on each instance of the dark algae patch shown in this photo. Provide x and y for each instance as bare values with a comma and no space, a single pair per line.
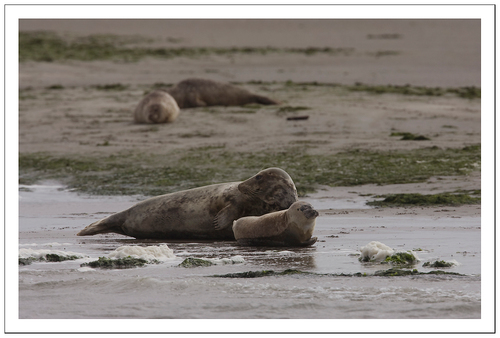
121,263
48,47
438,264
150,174
410,137
262,273
59,258
111,87
47,258
195,262
27,261
393,272
396,272
425,200
463,92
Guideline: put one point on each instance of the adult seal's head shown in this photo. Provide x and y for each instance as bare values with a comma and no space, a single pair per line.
292,227
156,107
273,186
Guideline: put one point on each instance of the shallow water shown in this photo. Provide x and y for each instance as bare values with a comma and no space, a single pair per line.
50,217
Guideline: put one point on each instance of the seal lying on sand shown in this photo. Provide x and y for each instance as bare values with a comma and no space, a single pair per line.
156,107
200,93
292,227
201,213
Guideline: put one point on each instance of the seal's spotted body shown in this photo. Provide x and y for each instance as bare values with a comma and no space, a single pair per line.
201,93
201,213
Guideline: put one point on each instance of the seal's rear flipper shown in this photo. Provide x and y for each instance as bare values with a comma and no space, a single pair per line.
264,100
109,224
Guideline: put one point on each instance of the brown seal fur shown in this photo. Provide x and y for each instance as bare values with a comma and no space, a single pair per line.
156,107
201,213
201,92
292,227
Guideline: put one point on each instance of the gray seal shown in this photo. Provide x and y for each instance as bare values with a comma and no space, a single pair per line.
196,92
292,227
156,107
205,213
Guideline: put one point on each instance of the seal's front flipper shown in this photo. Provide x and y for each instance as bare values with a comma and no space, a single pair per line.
225,217
309,242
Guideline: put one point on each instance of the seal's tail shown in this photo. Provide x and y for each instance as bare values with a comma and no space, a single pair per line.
111,223
264,100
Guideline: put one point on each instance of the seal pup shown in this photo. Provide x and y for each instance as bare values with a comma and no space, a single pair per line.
156,107
196,92
292,227
201,213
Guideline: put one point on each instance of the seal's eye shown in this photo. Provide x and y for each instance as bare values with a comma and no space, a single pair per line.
258,177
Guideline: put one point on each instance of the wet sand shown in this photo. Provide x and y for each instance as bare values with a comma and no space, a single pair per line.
47,290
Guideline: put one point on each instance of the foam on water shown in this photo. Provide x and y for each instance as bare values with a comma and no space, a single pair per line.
231,260
376,251
156,252
27,253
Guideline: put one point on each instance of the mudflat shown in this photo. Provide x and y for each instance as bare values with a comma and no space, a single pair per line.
362,88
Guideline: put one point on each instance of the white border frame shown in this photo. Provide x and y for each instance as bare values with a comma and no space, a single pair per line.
15,12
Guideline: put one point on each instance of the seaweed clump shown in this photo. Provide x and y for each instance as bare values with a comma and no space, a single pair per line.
463,92
438,264
425,200
120,263
410,136
401,258
195,262
26,261
47,258
392,272
396,272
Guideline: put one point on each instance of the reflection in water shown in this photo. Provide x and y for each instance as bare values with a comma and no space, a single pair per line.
266,257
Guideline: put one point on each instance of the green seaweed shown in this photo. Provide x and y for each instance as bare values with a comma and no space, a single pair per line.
438,264
121,263
27,261
470,92
48,47
425,200
195,262
396,272
59,258
128,173
47,258
392,272
401,258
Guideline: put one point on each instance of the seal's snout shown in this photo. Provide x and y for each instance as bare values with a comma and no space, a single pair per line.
310,213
